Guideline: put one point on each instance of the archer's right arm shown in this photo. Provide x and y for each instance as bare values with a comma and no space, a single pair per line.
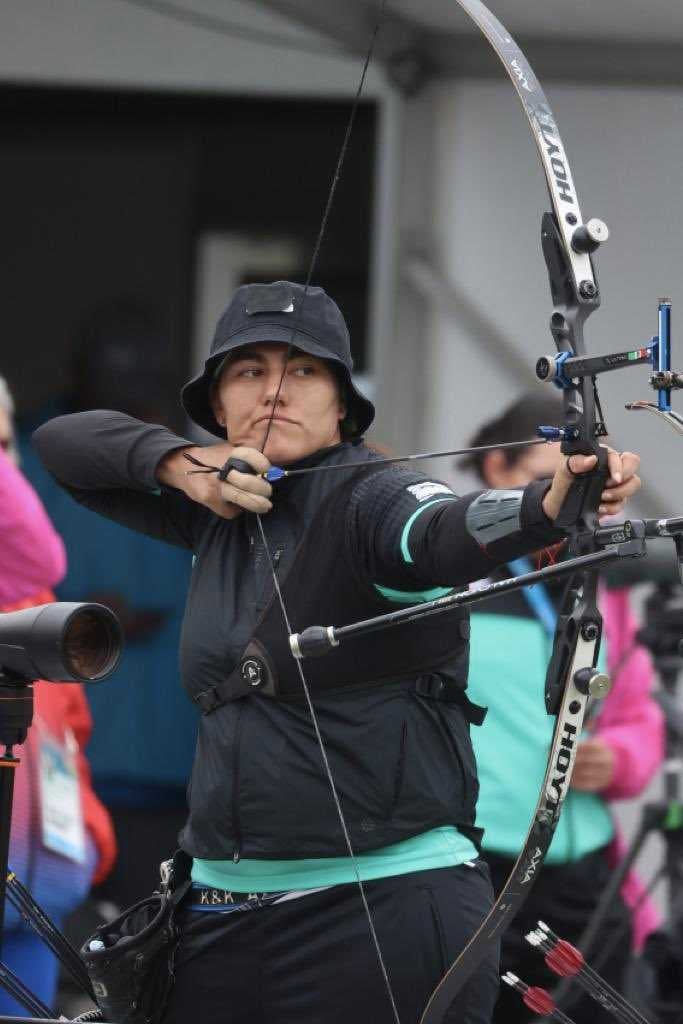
108,462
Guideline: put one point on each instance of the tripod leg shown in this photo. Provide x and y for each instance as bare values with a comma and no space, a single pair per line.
563,997
8,765
587,940
16,988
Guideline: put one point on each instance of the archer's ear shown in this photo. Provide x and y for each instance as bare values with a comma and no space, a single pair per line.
495,469
216,407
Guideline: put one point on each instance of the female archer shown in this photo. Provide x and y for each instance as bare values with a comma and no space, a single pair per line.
273,929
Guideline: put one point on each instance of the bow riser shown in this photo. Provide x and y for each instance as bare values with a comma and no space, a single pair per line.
566,326
568,727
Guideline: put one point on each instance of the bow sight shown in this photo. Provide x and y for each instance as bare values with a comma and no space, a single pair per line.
566,369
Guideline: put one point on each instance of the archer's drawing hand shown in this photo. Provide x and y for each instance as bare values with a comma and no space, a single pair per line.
241,492
245,491
623,482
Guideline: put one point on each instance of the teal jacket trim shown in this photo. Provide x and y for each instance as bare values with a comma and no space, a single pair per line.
407,557
439,848
407,596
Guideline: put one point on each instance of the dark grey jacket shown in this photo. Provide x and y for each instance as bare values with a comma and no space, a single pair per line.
402,762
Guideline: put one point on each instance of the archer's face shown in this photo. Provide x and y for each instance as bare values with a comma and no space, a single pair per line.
306,414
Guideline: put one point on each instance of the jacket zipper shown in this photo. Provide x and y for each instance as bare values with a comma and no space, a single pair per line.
237,851
461,764
237,848
400,770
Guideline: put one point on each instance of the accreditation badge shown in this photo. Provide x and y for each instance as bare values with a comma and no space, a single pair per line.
60,798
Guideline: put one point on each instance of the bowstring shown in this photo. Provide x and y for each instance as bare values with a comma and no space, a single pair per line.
304,684
333,788
326,212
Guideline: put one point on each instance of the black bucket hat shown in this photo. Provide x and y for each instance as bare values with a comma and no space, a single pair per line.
308,319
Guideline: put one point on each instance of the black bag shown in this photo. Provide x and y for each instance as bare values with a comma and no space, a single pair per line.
132,970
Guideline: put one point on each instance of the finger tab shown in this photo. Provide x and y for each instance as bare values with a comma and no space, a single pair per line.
238,464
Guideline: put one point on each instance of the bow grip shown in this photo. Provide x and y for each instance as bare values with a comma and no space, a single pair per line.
238,464
584,495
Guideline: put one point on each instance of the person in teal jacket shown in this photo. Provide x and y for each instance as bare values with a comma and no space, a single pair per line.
621,749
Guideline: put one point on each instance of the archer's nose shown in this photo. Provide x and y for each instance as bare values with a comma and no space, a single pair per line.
276,388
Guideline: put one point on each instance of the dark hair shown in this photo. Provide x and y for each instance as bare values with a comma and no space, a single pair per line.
348,427
517,422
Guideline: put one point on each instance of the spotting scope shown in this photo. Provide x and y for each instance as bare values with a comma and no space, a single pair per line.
66,641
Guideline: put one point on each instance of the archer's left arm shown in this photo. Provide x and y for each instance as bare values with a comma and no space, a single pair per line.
413,532
457,543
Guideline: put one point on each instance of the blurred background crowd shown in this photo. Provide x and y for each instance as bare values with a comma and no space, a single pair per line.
154,156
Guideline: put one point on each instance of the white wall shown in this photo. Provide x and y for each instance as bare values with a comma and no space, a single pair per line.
626,149
110,42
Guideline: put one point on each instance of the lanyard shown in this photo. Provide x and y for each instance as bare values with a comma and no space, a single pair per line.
536,596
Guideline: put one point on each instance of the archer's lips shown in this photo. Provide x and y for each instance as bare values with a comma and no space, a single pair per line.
276,419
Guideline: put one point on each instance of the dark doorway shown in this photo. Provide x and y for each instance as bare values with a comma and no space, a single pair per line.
106,193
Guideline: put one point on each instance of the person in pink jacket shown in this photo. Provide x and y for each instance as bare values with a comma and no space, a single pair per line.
61,837
32,556
631,726
619,753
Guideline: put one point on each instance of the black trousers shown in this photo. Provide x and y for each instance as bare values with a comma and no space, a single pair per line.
311,960
564,897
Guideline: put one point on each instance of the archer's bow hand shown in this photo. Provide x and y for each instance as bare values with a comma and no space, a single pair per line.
623,482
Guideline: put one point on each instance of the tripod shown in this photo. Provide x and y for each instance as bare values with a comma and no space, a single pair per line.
61,642
16,716
664,950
